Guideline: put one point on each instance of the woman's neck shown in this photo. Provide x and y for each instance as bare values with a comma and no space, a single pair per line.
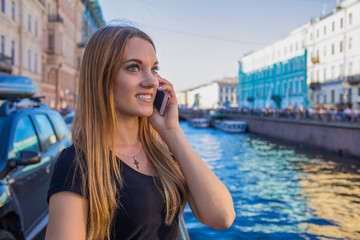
128,133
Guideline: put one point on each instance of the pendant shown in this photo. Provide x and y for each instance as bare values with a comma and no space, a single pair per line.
136,163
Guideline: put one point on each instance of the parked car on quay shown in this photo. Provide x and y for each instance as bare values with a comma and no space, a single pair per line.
68,118
32,137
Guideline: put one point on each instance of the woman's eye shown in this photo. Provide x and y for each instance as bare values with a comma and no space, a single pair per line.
133,68
155,70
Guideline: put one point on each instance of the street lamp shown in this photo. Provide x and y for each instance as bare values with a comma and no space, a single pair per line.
345,85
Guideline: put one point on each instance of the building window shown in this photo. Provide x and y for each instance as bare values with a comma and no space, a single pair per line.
318,75
358,91
350,18
29,23
3,45
311,36
324,74
318,98
350,68
333,26
302,85
29,60
341,22
332,72
317,33
13,52
332,96
36,28
36,63
13,10
333,49
324,51
324,98
3,6
341,46
350,43
341,69
51,42
284,88
324,30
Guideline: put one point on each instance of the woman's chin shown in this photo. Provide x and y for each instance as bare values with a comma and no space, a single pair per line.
147,113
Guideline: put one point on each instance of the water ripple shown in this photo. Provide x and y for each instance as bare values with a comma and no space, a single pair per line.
278,192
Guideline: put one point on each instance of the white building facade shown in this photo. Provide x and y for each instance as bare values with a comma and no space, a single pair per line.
214,95
333,69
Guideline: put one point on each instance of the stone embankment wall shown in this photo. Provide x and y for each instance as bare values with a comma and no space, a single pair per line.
342,138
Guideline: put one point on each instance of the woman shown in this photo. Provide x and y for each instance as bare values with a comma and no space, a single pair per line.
130,171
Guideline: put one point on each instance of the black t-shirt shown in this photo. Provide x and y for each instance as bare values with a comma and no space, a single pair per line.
142,215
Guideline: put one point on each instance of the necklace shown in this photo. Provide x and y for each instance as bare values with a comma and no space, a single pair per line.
133,157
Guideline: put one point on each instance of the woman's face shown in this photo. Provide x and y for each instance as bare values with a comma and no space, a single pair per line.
136,83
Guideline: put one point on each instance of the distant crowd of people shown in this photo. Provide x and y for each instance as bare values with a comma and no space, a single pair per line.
320,114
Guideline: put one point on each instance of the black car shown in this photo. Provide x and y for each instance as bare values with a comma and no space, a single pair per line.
32,136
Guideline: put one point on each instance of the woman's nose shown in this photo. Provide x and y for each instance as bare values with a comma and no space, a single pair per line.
150,80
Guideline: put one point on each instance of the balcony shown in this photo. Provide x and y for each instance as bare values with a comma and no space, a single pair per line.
250,99
5,63
354,79
55,18
81,44
315,60
315,86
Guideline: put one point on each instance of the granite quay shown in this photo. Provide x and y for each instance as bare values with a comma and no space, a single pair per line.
325,132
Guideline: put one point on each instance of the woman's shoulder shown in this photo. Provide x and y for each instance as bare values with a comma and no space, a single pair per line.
67,175
67,155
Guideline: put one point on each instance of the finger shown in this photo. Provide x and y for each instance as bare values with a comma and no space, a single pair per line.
166,87
163,81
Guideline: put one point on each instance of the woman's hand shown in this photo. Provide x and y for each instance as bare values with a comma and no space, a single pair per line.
170,120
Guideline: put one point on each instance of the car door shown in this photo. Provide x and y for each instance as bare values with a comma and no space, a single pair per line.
49,152
26,184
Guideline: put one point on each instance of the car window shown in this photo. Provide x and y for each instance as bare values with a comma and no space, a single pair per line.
25,138
59,124
69,120
47,134
3,138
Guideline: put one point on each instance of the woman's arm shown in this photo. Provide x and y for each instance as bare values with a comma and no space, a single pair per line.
209,199
68,214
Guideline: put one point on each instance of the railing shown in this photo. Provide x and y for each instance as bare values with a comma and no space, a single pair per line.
55,18
346,115
183,230
81,44
6,63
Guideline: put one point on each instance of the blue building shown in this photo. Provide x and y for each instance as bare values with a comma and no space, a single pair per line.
92,19
280,85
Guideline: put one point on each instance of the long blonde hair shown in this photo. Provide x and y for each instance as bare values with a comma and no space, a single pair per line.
94,133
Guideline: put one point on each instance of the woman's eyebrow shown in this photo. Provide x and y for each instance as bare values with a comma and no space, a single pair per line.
133,60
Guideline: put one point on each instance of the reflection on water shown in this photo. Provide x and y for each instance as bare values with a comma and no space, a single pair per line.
279,192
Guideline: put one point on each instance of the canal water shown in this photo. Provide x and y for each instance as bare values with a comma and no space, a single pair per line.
279,191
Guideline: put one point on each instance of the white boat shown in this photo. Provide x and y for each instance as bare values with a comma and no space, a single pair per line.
199,122
231,126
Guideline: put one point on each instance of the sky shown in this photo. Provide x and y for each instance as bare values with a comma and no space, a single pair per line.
201,41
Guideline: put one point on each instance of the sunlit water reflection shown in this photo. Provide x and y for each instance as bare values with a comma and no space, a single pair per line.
279,192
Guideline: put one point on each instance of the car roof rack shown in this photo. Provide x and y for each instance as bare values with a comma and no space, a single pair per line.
15,87
12,105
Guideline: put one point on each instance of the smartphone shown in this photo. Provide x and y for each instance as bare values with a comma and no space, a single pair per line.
161,100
